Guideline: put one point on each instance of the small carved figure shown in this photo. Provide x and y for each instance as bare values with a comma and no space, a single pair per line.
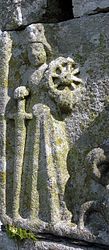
96,186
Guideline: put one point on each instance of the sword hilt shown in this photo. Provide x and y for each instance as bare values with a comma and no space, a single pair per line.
21,92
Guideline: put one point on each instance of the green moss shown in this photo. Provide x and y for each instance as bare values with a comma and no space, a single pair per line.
80,59
90,72
92,116
2,177
19,233
102,41
17,75
25,57
59,141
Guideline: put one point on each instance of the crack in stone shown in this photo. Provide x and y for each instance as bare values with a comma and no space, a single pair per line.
99,11
48,237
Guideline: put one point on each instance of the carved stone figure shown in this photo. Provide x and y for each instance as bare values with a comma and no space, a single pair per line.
47,115
92,210
97,186
41,148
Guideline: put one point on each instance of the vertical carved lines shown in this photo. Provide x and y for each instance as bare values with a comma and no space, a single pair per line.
47,185
5,54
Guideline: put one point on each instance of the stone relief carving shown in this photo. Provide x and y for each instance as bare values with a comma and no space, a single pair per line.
62,83
20,95
40,171
38,189
91,210
97,186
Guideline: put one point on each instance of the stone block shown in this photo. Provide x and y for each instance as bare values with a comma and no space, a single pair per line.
20,13
85,7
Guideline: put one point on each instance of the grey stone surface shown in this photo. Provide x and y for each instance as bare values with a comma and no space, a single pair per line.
55,131
21,12
16,14
58,246
88,47
84,7
8,244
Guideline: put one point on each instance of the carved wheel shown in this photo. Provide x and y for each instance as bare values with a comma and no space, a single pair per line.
62,73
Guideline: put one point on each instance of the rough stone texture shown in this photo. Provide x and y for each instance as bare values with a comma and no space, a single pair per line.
90,48
6,243
17,13
9,244
55,131
85,7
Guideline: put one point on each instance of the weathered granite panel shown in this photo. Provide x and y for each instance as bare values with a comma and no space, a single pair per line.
85,7
55,129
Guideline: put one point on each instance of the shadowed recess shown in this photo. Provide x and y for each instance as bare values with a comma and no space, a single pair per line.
58,10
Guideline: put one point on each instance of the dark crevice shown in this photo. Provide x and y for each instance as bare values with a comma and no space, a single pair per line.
58,10
99,11
71,241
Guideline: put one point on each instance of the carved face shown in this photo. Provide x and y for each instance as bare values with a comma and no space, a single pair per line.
38,45
99,164
62,84
36,54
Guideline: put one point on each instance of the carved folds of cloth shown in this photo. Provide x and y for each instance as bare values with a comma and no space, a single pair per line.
39,174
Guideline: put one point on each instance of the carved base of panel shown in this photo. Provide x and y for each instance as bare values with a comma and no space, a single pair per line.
64,231
10,244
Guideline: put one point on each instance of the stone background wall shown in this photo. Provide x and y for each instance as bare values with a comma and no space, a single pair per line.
87,7
85,38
